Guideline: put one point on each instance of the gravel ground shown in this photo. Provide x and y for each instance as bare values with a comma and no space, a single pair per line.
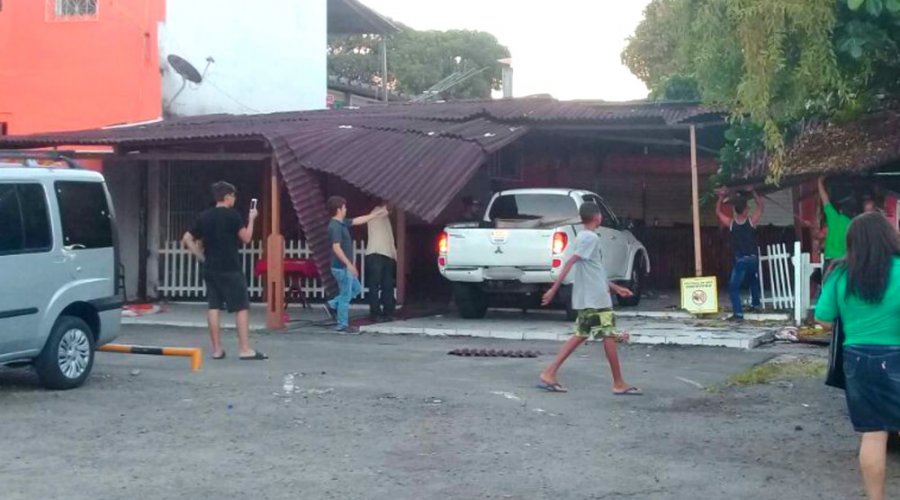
379,417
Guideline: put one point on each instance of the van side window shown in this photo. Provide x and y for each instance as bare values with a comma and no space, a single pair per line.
24,218
85,215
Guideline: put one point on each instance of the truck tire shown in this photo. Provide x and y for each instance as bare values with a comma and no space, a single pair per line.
470,300
635,284
68,355
565,296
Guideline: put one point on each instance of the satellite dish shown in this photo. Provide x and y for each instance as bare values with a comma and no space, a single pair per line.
188,73
184,68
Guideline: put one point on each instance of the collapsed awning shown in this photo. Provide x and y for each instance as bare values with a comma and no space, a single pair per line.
419,156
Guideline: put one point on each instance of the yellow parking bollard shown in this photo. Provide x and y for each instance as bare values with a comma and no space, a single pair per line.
195,353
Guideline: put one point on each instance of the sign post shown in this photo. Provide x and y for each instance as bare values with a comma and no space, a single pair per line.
700,295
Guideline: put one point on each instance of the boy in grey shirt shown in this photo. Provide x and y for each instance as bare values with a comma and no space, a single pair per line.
591,298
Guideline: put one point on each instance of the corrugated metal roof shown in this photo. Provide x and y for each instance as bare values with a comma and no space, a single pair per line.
825,148
417,155
414,146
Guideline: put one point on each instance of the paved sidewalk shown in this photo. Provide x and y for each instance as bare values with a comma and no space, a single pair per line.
544,326
193,315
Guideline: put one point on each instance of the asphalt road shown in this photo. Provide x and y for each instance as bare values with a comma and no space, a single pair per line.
381,417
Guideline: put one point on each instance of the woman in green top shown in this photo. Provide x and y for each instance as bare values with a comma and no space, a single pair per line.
837,222
864,291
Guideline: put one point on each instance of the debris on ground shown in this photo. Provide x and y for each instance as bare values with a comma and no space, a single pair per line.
135,310
507,395
494,353
781,368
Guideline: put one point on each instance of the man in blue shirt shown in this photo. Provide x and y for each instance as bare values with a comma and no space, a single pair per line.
342,267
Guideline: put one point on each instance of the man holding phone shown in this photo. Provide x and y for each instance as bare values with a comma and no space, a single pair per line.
215,238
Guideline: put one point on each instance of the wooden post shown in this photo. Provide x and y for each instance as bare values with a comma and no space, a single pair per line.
275,257
695,193
264,221
401,257
153,229
797,195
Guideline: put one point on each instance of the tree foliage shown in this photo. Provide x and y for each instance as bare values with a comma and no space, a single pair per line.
419,59
772,61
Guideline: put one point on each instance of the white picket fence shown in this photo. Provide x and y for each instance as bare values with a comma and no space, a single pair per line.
786,278
776,277
182,279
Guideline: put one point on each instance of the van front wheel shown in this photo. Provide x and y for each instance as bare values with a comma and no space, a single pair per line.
68,356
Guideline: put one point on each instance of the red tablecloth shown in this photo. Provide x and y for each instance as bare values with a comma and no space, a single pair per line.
303,268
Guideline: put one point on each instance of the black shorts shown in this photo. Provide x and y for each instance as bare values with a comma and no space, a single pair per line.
873,387
227,291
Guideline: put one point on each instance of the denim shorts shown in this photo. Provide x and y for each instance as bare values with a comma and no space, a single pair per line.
873,387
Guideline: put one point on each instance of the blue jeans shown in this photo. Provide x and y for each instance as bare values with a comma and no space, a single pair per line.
745,268
873,387
349,287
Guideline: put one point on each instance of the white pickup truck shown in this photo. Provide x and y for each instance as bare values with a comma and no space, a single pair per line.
518,249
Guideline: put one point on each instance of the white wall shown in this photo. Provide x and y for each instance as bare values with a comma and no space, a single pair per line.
269,55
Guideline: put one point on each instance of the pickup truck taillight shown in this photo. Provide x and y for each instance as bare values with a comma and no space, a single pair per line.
443,243
560,242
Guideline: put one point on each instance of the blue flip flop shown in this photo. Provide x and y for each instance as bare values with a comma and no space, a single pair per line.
631,391
551,387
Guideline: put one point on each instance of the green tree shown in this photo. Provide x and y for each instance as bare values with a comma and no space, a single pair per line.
419,59
772,61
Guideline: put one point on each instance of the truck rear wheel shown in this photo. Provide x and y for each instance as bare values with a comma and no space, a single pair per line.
635,284
470,300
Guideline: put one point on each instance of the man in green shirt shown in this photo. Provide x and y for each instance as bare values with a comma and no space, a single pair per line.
837,222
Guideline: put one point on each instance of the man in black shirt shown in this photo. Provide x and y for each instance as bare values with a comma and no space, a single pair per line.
215,239
742,226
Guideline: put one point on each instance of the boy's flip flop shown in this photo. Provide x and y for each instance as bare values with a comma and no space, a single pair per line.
551,387
631,391
258,356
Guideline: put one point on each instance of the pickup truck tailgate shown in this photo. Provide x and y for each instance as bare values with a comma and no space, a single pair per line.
476,247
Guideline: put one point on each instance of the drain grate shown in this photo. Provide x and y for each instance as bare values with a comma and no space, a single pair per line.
494,353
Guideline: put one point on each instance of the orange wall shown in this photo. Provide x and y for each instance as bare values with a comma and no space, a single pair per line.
75,74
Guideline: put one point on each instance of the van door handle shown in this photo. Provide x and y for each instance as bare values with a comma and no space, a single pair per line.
74,246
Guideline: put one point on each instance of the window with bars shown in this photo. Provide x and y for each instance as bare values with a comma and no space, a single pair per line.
72,10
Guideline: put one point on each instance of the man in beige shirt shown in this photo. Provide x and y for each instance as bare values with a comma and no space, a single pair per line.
381,268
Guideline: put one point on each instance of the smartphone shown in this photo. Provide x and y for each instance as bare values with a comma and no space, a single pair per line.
253,204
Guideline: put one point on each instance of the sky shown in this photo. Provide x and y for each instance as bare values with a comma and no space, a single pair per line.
567,48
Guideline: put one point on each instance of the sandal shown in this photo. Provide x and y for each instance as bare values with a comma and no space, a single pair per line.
221,356
631,391
551,387
257,356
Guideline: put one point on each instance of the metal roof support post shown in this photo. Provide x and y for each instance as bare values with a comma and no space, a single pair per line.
384,76
401,257
275,257
695,194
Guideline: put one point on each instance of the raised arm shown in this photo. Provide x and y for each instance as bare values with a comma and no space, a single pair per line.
724,218
760,208
375,214
246,233
823,192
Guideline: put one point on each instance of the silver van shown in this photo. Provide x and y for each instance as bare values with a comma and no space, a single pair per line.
60,286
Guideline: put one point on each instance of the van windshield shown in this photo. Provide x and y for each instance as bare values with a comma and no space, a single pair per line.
548,207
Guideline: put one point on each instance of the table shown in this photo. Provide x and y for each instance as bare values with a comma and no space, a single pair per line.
295,271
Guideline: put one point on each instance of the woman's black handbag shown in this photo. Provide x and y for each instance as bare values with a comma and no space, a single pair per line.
835,376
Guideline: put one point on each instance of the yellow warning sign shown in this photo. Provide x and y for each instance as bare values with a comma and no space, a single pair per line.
700,295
